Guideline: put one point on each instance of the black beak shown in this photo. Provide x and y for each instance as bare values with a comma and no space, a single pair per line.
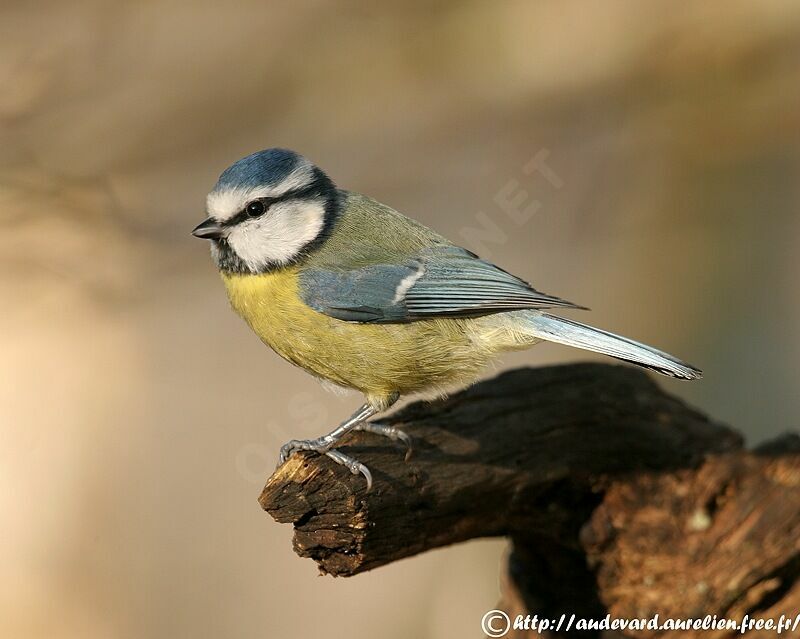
208,230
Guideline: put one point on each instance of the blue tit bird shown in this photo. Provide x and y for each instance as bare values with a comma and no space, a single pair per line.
361,296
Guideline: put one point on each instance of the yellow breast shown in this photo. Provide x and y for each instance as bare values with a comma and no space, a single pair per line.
377,359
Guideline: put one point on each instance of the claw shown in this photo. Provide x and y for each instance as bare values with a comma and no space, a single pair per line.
406,439
353,465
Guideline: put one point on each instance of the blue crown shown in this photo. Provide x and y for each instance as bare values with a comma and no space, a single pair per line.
262,168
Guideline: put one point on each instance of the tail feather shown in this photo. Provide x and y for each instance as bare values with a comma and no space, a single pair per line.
571,333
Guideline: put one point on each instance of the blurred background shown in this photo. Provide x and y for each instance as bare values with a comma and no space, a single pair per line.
639,158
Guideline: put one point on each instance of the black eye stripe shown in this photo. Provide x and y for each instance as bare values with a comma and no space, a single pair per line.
246,214
313,189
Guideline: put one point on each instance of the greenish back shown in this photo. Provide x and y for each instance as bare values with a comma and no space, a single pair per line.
369,233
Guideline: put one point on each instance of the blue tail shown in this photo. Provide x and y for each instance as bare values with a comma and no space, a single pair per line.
564,331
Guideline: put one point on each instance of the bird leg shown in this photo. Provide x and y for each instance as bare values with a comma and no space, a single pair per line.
357,421
323,445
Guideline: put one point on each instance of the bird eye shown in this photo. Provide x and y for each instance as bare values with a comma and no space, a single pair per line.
255,208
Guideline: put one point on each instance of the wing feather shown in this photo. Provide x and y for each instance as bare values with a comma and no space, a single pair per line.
442,281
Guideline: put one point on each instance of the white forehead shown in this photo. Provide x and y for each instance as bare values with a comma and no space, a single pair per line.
222,204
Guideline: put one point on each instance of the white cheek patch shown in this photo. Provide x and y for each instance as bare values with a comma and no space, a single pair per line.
224,204
278,236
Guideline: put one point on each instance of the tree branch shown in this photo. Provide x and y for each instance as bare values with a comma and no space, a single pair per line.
617,498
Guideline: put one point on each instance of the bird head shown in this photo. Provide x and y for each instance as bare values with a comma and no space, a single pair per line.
268,210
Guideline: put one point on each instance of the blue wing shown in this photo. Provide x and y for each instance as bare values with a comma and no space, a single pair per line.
442,281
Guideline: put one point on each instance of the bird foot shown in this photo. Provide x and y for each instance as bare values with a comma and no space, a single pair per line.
322,446
395,434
